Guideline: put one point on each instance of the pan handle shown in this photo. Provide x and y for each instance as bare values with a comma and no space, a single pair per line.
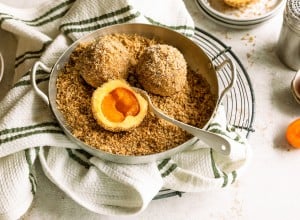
233,77
33,81
1,66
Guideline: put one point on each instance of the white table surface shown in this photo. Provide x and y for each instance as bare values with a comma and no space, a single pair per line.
270,189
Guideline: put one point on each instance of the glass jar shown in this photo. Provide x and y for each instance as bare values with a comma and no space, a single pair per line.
288,48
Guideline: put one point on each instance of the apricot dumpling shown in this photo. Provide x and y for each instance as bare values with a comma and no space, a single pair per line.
103,59
162,70
117,107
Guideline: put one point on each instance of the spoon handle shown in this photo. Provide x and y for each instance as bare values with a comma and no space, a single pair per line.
216,142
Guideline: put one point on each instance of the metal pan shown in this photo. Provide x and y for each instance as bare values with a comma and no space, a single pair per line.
194,55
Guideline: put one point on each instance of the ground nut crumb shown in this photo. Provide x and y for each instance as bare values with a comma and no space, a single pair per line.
194,105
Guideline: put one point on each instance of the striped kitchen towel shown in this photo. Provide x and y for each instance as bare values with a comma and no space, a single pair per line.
28,130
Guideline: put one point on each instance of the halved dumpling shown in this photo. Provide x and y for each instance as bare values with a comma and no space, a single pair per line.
117,107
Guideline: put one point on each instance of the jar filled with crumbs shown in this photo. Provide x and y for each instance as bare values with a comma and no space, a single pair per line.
288,48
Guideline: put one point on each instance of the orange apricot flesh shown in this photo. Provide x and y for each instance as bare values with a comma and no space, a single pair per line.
293,133
119,104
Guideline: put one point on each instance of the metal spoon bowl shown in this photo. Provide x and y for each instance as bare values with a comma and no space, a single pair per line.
216,142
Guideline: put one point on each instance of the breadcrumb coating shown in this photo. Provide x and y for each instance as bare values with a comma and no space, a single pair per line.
162,70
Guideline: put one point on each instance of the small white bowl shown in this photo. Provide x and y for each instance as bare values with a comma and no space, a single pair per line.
295,86
251,16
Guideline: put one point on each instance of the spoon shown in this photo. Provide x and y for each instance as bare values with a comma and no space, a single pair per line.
216,142
295,86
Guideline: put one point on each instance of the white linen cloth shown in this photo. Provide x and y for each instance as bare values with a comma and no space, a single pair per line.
28,130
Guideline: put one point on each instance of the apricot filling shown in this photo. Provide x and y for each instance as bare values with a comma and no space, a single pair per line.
120,103
117,107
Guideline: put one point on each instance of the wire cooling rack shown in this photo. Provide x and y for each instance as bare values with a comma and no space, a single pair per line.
239,102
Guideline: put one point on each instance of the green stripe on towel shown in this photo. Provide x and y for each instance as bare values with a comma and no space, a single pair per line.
163,163
78,159
99,18
215,124
18,136
52,10
25,82
30,127
234,175
84,153
28,82
51,19
213,165
225,177
218,131
170,170
38,72
216,171
29,54
32,178
97,26
38,19
179,27
48,20
27,58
